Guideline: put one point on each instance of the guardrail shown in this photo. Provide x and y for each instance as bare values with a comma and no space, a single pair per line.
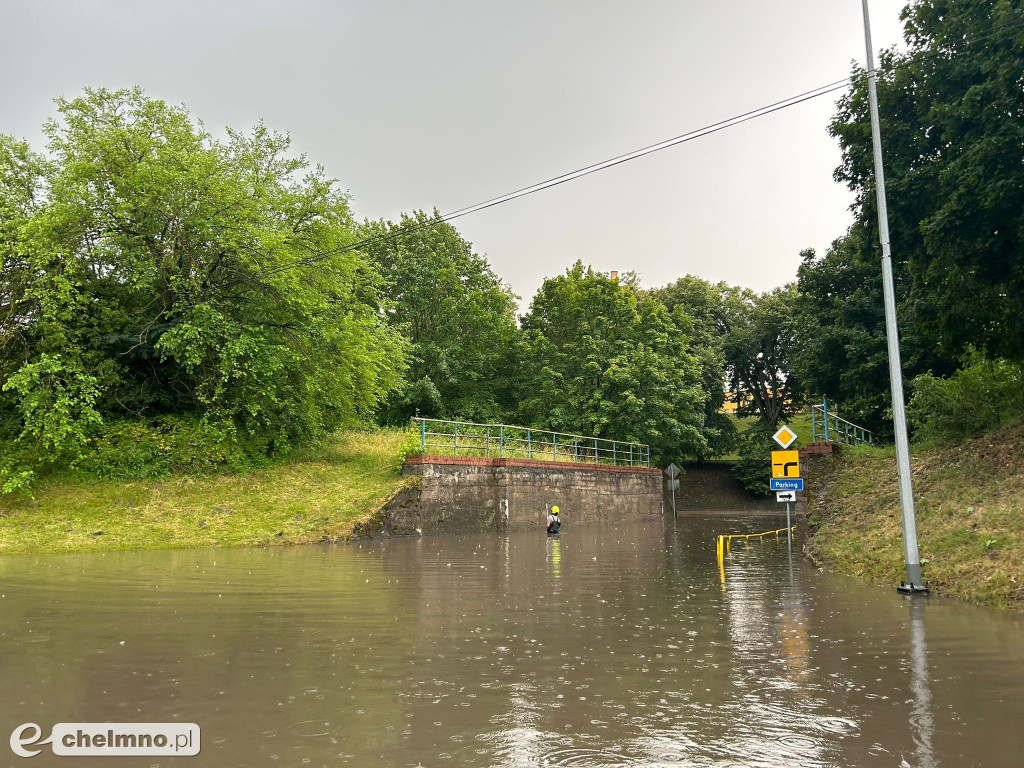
724,542
833,429
464,438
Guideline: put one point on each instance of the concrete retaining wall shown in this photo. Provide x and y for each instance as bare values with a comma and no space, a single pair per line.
459,494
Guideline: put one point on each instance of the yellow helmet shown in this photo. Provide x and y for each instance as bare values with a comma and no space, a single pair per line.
554,510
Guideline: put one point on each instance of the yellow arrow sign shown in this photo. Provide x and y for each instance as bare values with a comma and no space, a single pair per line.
785,464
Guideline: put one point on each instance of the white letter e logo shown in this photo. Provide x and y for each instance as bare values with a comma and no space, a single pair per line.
17,740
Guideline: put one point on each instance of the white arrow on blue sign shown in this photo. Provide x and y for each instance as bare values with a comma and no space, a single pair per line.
787,484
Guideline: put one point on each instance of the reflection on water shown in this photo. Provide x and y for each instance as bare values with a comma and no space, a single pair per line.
600,647
921,712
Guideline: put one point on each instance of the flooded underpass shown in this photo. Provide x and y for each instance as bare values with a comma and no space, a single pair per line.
617,646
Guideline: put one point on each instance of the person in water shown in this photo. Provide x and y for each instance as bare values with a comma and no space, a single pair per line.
554,524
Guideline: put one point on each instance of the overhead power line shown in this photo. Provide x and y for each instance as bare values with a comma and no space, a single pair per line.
697,133
683,138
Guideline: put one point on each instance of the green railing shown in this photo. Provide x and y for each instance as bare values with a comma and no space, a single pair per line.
832,429
463,438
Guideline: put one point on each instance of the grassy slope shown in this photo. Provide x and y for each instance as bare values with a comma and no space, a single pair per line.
314,496
970,517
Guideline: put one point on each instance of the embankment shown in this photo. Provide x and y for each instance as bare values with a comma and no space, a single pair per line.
970,517
314,496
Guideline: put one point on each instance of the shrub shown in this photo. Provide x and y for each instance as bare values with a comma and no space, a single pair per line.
981,396
125,450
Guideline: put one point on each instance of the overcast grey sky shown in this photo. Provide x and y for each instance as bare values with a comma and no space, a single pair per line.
447,103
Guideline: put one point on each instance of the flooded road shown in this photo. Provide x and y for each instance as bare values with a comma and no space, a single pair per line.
603,647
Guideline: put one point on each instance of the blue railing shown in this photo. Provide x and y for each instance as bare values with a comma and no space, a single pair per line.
832,429
464,438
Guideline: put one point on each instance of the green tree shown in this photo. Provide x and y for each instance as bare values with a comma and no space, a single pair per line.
459,315
950,107
699,309
151,271
759,349
608,360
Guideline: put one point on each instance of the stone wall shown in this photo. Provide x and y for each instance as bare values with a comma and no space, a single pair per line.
459,494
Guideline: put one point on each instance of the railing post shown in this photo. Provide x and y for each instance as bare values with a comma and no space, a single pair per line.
423,434
615,458
487,442
501,441
814,427
554,447
824,410
631,454
595,450
529,445
455,444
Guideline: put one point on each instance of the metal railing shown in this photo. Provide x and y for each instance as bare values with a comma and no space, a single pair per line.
832,429
464,438
723,545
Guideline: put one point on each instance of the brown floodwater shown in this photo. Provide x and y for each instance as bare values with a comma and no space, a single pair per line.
607,646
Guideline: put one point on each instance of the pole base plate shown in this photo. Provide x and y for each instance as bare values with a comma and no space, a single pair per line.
912,589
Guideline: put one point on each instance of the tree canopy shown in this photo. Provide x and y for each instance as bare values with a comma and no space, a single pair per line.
150,270
951,109
458,314
608,360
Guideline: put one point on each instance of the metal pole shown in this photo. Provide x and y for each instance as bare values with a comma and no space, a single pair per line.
824,410
673,482
789,530
913,562
423,435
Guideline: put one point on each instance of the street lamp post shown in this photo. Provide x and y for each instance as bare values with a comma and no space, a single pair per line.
913,584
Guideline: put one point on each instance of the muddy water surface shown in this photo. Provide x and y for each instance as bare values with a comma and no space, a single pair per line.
603,647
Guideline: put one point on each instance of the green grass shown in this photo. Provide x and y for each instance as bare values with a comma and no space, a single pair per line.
970,517
319,494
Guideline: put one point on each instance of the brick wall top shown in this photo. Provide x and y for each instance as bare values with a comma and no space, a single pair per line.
816,448
478,461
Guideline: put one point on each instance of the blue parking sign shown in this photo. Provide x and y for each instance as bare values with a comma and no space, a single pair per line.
787,483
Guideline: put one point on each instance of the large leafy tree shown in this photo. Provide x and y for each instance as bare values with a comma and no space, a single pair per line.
149,269
458,314
608,360
699,308
759,351
952,118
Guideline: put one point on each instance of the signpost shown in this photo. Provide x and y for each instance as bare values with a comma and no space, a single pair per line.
786,480
673,473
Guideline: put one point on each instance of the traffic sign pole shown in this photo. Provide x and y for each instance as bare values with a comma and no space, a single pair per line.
673,472
789,529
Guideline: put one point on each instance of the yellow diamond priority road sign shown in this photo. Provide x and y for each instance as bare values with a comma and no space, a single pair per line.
785,436
785,463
